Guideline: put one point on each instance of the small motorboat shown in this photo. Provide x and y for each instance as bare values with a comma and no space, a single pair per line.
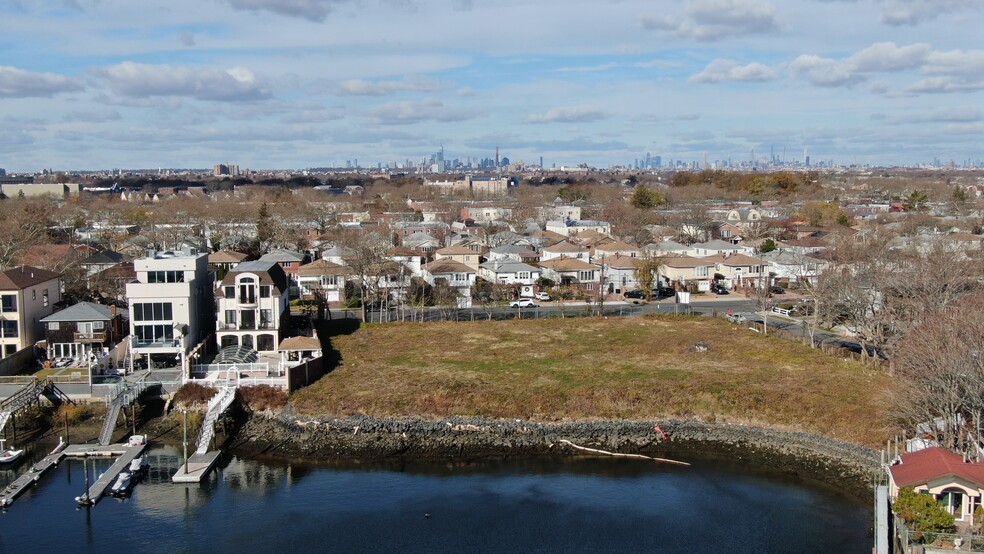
9,455
123,484
84,500
139,465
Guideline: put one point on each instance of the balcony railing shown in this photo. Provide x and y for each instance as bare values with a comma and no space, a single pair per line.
96,336
165,343
245,326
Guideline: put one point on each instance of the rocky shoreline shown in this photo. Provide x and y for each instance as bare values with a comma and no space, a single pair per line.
844,466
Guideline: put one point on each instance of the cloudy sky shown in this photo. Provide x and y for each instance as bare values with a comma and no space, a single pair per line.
95,84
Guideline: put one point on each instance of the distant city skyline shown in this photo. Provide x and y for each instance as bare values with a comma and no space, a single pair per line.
95,84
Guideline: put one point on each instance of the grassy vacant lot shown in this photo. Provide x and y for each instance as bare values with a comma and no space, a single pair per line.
589,368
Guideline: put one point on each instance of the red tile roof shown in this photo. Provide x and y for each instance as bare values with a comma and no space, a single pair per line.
922,466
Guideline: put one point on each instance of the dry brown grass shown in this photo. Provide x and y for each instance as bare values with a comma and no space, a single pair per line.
580,368
262,397
192,394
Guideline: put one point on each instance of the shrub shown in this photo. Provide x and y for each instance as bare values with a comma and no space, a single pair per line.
923,514
76,413
192,393
262,397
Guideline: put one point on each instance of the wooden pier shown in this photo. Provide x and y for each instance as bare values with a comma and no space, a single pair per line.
33,475
197,468
126,453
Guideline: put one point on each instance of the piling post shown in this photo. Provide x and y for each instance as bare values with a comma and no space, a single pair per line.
185,414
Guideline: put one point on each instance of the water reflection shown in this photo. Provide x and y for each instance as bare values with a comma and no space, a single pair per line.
556,504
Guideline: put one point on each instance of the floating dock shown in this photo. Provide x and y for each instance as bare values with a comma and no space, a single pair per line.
197,467
33,475
126,453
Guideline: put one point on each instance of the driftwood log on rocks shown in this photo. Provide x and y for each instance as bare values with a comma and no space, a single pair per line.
619,455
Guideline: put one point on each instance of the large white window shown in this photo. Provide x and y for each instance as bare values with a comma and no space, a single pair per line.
152,311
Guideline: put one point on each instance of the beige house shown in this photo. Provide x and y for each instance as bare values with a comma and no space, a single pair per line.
322,278
953,481
684,270
572,271
739,270
460,254
28,295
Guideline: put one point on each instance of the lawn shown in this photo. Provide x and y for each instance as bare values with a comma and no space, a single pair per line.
591,368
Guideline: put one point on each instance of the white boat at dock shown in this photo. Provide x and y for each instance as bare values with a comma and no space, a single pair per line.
9,455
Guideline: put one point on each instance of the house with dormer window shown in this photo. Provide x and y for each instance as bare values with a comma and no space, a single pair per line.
252,306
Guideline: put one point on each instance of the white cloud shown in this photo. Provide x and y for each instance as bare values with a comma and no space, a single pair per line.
575,114
824,72
361,87
404,113
710,20
951,71
721,70
142,80
19,83
314,10
913,12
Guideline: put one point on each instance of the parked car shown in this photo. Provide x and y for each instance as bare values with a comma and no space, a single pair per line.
777,290
542,296
633,294
665,293
523,303
719,289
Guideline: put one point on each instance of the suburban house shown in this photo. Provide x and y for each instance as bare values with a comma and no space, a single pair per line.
514,252
460,254
953,480
571,227
669,248
224,260
286,259
739,270
411,260
111,282
509,272
573,272
564,249
422,243
744,218
324,279
85,332
252,306
616,248
619,272
683,271
171,306
718,247
455,274
100,261
561,212
27,295
792,266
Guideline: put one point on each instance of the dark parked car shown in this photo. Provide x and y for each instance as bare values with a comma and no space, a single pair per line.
719,289
633,294
777,290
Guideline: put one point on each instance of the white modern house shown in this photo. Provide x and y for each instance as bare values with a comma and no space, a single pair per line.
171,306
252,306
509,272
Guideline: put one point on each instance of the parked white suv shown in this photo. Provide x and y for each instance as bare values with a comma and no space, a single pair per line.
542,296
523,303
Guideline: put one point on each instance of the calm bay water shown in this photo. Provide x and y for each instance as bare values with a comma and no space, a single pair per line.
543,505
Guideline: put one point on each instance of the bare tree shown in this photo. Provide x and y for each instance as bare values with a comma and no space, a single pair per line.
940,366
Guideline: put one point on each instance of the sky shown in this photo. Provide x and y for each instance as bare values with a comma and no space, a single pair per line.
102,84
